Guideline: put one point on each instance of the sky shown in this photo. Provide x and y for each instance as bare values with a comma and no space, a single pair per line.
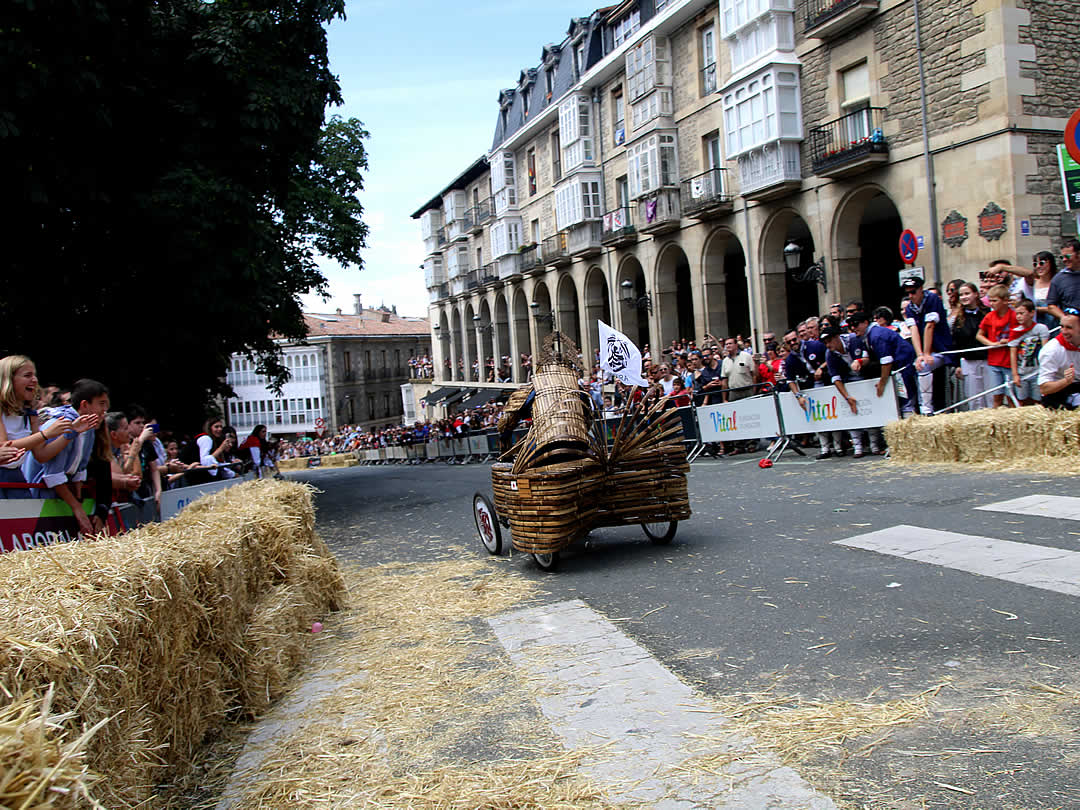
424,78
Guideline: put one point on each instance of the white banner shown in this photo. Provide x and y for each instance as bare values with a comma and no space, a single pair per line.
827,410
173,500
620,357
750,418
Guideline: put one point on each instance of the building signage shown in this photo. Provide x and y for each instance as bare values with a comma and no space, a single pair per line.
992,222
1025,227
825,409
750,418
954,229
1070,178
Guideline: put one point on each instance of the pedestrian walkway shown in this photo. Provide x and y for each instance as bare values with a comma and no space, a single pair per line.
1051,506
603,692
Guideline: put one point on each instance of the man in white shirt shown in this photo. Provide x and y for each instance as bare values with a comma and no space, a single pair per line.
1058,360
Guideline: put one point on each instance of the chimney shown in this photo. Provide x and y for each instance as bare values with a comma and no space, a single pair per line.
358,307
339,311
385,316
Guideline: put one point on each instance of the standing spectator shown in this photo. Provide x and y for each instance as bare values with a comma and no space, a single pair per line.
994,331
739,372
886,349
1064,292
709,381
1058,380
1024,345
838,365
927,319
1036,284
972,363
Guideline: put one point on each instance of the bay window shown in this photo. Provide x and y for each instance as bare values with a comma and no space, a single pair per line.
576,132
762,109
577,200
505,237
648,66
652,164
503,181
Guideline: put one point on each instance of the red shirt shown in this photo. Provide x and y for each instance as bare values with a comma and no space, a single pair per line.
997,327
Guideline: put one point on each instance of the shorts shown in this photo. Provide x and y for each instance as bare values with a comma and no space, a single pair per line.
1028,389
996,376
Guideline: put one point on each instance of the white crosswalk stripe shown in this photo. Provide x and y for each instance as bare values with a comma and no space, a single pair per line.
1052,569
602,691
1051,506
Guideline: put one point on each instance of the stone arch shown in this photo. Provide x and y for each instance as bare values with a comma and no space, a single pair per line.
727,297
567,311
471,354
456,346
522,338
597,304
786,301
673,296
541,311
865,233
634,320
486,339
501,324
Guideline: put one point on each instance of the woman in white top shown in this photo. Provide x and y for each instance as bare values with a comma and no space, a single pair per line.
20,428
1036,284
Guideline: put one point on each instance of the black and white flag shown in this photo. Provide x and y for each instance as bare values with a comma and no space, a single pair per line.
620,357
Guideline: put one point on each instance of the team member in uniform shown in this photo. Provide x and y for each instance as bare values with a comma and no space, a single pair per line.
841,368
928,321
885,346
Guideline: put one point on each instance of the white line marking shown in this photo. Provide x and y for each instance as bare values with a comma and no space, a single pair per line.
1052,506
1052,569
598,687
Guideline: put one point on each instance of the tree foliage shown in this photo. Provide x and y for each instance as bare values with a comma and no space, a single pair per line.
170,178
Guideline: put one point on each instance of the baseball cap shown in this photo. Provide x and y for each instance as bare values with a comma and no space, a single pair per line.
912,283
829,332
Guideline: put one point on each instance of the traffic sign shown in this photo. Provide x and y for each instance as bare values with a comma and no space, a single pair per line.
320,422
1072,136
909,247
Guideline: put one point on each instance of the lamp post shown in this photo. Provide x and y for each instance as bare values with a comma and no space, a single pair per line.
542,317
814,273
631,300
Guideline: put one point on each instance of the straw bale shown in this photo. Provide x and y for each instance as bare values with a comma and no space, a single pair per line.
1034,438
161,633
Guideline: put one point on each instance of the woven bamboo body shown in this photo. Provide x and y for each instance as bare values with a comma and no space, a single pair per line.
559,427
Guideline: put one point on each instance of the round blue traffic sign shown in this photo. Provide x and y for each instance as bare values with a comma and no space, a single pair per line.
1072,136
909,247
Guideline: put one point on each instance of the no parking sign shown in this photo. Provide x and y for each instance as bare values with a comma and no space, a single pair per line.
909,247
1072,136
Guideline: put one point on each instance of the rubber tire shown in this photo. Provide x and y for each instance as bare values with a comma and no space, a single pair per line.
492,542
664,538
547,562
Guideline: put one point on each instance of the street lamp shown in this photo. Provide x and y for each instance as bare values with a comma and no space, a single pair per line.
482,327
631,300
542,317
793,261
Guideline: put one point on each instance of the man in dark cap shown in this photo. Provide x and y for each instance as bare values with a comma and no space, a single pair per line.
925,316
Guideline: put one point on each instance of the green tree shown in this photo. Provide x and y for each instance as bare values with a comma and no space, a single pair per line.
170,179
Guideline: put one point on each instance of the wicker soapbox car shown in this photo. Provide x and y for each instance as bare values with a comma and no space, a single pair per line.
572,473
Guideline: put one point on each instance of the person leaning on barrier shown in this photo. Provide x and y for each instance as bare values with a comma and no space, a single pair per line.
886,350
1058,360
841,367
928,321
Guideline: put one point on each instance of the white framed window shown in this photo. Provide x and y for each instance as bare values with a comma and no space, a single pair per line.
648,66
650,107
579,59
625,28
619,117
708,59
505,237
762,109
503,181
577,200
712,150
734,14
576,132
774,33
651,164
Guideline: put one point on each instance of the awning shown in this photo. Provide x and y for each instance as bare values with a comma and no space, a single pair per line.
482,397
439,394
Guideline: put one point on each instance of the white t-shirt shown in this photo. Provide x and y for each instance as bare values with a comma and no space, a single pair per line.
1054,359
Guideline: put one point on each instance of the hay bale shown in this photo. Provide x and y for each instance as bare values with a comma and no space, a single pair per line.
163,632
1022,437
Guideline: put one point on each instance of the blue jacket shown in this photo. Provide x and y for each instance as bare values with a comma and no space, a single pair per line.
933,311
67,466
889,347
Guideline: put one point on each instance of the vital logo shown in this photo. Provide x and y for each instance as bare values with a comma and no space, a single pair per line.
722,423
817,411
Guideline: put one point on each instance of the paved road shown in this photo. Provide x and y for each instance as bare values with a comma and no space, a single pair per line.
798,579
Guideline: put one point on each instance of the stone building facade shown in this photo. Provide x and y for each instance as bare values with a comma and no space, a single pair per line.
352,369
651,170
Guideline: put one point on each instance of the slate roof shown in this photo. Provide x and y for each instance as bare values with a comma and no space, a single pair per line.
370,324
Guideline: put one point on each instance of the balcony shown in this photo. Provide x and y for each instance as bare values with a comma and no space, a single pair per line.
472,281
459,284
618,228
556,251
707,195
440,237
826,19
530,258
476,217
456,229
770,171
659,212
489,273
849,145
583,239
508,266
439,292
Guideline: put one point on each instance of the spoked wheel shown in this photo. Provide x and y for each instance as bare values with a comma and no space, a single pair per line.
487,523
660,533
547,562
